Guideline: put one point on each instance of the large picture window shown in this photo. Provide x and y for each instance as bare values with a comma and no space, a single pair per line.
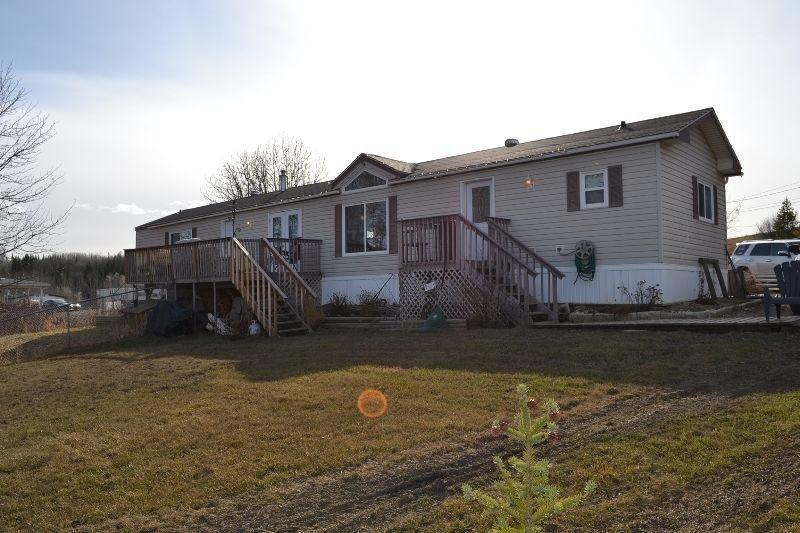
366,228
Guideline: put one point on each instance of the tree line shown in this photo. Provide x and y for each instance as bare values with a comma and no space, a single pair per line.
72,275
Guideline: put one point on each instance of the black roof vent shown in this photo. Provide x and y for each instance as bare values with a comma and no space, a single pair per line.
622,126
510,143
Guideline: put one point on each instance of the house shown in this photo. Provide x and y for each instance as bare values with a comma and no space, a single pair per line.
490,231
12,290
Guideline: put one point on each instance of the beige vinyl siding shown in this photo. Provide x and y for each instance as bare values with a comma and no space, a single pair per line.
623,235
684,238
539,216
207,228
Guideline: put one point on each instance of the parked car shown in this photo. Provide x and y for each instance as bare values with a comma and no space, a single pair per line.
759,258
55,301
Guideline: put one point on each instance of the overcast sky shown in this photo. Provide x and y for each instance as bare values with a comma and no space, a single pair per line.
151,97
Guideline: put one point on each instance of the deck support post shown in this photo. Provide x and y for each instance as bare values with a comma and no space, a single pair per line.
215,307
194,307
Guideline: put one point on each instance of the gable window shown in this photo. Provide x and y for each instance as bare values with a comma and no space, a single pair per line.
594,189
365,180
705,202
366,228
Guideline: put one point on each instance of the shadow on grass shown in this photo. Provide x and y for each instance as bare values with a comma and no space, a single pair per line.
731,363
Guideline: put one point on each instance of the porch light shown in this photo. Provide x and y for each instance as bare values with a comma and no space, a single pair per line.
529,183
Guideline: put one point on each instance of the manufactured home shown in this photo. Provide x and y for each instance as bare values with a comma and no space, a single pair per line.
515,231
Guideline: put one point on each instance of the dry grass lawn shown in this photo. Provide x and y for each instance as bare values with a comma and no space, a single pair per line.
143,428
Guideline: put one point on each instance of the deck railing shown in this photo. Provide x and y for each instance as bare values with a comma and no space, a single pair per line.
210,260
281,269
547,274
452,241
258,290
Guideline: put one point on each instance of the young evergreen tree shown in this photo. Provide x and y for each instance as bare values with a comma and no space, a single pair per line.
785,224
525,498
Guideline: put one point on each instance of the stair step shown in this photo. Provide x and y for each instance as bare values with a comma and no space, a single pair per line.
292,331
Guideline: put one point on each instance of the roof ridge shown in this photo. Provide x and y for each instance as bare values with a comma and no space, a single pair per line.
629,124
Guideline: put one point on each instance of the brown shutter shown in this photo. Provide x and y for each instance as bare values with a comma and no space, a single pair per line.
393,224
716,211
695,212
194,233
166,238
573,191
615,186
337,232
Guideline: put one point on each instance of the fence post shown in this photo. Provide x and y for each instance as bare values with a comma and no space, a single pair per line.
69,332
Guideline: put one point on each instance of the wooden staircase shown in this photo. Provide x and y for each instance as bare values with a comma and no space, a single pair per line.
522,284
276,295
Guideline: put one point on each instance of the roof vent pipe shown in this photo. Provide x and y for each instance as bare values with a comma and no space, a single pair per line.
622,126
282,180
510,143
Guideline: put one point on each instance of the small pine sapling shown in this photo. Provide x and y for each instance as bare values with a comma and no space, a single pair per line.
525,498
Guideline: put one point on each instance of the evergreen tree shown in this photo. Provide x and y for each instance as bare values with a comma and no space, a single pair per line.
525,498
785,225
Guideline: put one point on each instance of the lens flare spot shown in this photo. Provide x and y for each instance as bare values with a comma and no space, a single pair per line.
372,403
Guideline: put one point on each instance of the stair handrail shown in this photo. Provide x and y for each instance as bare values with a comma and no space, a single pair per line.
271,281
290,269
553,269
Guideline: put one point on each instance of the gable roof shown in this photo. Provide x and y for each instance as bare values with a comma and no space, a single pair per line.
643,131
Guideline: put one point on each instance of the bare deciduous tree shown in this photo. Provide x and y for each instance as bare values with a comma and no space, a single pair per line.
258,171
767,227
25,224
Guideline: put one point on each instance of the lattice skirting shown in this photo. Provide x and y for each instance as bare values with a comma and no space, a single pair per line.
314,281
455,293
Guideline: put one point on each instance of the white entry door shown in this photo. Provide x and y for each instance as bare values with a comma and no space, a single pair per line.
479,205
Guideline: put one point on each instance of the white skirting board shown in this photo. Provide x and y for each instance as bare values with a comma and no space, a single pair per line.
677,282
353,285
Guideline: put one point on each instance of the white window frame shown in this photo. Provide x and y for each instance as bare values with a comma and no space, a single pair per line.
466,200
180,233
344,228
355,176
710,188
286,214
223,225
583,188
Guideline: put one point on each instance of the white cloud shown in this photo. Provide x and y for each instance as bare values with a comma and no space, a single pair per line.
127,209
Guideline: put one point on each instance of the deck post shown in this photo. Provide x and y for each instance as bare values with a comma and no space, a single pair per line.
194,307
215,307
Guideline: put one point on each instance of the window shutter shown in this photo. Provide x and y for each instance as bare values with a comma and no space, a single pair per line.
166,238
716,211
337,232
573,191
695,212
615,186
194,233
393,224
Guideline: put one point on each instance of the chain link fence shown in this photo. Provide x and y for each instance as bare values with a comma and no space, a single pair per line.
29,327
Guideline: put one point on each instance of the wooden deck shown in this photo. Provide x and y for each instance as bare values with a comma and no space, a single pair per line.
210,260
746,323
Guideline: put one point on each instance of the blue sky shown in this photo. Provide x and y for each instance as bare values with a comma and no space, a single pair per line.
150,98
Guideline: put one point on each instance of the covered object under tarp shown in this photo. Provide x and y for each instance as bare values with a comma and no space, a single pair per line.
168,318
